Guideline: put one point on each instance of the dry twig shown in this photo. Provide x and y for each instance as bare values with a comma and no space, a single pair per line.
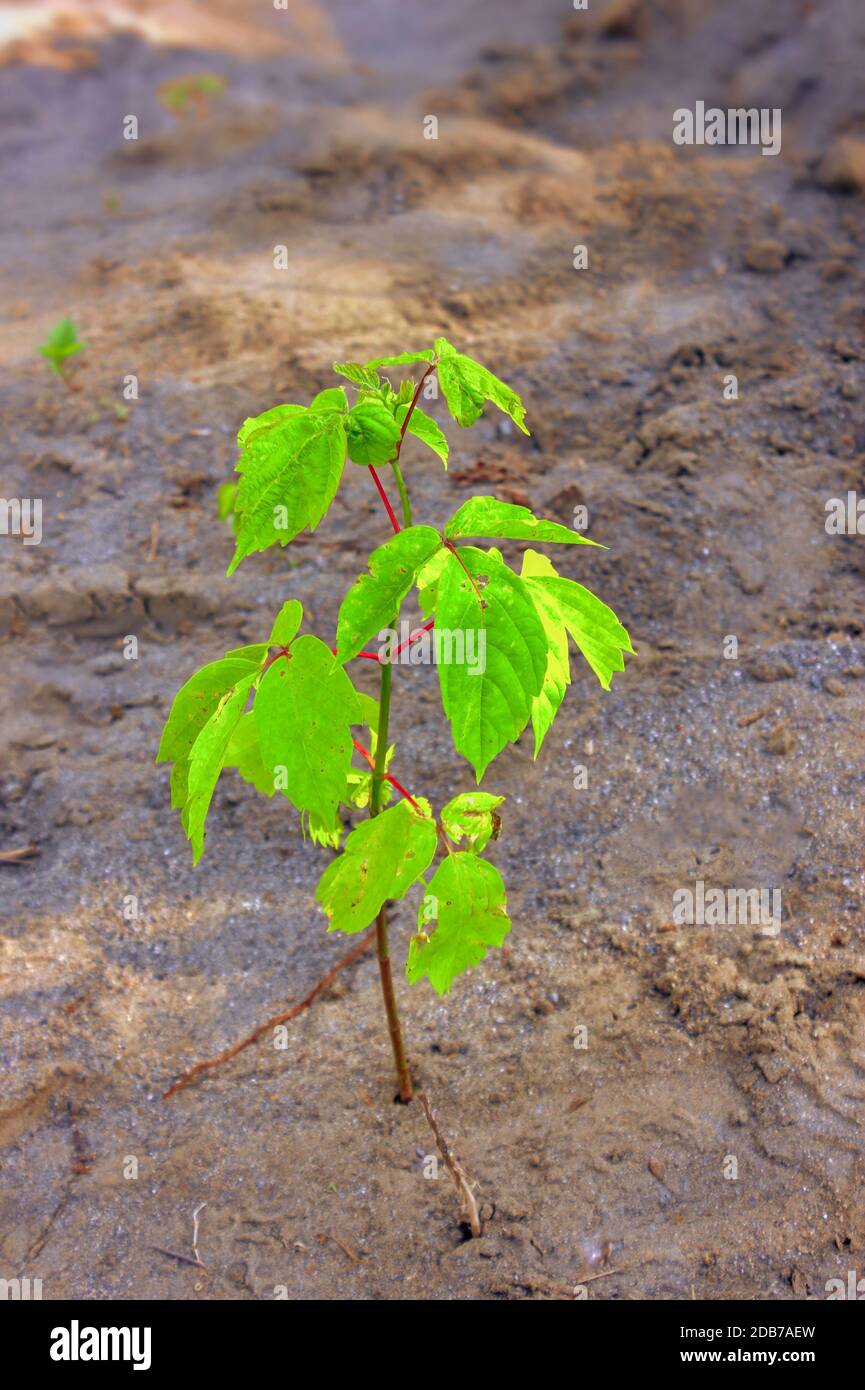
468,1205
185,1259
346,1250
210,1062
195,1216
17,856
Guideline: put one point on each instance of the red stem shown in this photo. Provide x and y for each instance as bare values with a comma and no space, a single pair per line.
412,638
374,656
274,656
367,656
370,656
397,786
414,401
283,651
376,479
383,495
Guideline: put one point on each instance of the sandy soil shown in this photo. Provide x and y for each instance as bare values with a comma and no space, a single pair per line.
605,1164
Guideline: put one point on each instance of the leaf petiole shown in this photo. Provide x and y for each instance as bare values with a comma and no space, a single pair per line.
397,786
384,497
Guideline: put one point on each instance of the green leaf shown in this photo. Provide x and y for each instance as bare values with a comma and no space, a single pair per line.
371,432
468,898
374,599
286,623
62,343
331,398
197,700
425,355
488,695
381,860
557,676
369,709
255,652
427,580
319,833
303,710
290,472
487,516
225,500
425,428
207,758
361,376
471,815
253,423
179,783
360,782
244,754
466,386
593,626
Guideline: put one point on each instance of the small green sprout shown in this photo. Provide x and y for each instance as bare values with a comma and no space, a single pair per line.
62,343
180,94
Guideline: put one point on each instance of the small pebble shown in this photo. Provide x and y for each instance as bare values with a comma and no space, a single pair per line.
781,739
766,255
764,669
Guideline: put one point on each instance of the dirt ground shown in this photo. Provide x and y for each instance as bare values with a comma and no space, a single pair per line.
607,1164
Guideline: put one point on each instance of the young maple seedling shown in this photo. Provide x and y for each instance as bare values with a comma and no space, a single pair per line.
62,344
193,93
501,641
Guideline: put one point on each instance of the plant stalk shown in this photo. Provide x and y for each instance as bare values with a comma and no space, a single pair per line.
381,935
381,735
393,1023
403,491
394,463
378,777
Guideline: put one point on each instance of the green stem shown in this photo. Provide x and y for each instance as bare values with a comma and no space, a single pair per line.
403,491
381,735
378,776
381,936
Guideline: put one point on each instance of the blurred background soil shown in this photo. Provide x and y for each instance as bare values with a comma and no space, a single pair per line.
605,1164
